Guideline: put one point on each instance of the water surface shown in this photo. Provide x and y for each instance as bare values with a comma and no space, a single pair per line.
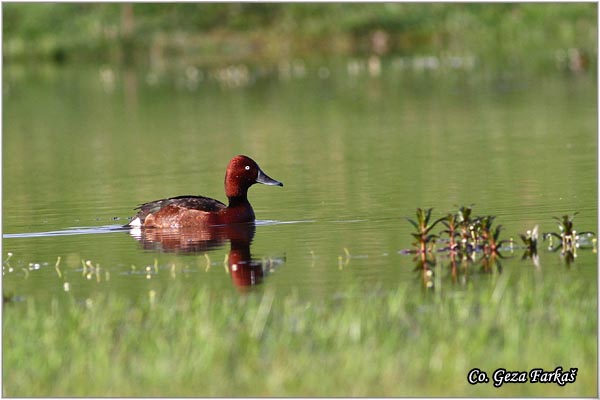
357,153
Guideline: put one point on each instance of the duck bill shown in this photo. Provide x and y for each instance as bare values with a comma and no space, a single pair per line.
266,179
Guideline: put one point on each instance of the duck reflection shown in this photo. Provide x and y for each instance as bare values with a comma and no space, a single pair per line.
244,270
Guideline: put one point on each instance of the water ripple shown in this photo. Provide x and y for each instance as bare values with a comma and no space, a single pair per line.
86,230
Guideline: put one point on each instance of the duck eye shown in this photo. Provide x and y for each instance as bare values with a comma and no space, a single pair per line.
247,168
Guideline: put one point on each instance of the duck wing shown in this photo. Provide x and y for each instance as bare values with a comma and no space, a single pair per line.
200,203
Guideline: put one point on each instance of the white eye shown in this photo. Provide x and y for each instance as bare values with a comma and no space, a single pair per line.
247,168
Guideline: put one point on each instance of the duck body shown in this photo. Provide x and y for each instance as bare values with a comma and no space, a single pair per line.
199,211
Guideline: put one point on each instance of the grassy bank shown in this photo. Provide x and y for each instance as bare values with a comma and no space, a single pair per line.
505,34
404,343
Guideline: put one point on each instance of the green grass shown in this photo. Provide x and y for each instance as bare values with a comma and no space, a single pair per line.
359,343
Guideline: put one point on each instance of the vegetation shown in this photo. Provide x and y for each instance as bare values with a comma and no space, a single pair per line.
473,234
171,343
505,34
423,228
530,240
467,236
569,239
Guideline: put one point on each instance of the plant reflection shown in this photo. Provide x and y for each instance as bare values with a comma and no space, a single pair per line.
460,265
244,270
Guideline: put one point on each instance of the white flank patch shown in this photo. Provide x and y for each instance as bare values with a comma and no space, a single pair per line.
135,222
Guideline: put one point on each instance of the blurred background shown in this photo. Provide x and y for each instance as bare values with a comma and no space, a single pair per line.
514,35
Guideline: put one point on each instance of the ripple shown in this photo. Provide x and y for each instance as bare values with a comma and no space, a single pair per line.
68,232
275,222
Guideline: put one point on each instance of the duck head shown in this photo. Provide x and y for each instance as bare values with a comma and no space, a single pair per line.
243,172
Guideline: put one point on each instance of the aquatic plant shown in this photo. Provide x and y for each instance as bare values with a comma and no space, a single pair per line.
452,224
468,228
424,227
468,240
530,240
465,234
569,239
489,236
567,233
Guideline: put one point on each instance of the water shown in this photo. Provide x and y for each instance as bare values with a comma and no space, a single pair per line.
357,153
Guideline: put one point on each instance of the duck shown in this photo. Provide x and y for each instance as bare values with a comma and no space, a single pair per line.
199,211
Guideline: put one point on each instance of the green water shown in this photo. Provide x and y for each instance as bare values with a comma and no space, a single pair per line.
357,154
